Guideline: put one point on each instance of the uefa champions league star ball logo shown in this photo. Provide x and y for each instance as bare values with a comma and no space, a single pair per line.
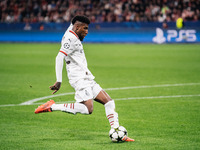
66,45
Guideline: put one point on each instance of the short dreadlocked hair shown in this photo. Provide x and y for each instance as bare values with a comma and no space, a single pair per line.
82,19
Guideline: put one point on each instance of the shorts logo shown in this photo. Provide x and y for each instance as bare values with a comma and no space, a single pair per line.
66,45
87,93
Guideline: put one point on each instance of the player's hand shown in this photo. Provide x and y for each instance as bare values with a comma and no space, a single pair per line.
55,87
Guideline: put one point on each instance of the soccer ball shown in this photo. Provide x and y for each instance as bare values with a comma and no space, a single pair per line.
118,135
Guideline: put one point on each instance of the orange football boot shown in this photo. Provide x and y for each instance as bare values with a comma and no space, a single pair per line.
128,139
45,107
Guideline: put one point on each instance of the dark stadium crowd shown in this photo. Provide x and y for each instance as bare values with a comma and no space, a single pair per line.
99,10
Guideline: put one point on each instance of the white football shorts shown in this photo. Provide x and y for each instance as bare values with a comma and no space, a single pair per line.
86,89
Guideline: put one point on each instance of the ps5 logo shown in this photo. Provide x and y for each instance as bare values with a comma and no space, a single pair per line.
174,35
182,35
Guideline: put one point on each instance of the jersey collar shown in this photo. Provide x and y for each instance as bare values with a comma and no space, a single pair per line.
74,33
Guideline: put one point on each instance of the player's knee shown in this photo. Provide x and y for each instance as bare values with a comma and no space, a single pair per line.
90,110
89,105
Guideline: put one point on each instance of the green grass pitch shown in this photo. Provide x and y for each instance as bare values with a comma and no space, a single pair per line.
160,111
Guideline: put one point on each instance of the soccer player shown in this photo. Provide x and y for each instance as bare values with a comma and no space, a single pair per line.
80,77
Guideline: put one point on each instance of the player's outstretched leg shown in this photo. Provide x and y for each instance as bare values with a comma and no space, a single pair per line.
69,107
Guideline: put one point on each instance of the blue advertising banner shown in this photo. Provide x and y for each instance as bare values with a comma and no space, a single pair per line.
120,33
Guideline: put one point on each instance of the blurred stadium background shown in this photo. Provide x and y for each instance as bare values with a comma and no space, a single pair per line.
155,86
124,21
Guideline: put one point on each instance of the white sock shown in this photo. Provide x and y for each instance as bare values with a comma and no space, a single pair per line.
111,114
71,108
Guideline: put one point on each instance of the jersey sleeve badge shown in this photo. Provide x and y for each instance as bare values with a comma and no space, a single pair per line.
66,45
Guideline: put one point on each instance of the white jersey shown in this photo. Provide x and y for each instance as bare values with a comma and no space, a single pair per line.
74,57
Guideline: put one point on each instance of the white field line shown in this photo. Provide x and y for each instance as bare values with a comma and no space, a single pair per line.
29,102
45,97
137,98
118,99
157,97
151,86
